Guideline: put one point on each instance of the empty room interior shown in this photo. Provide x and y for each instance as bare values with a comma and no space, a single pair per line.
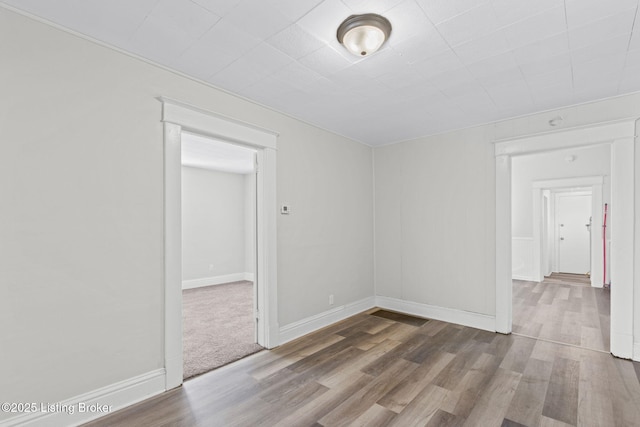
218,253
429,208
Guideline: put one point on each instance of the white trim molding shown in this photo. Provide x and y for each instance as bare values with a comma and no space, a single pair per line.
621,136
313,323
622,251
178,117
504,281
201,121
94,404
585,181
216,280
568,138
459,317
172,255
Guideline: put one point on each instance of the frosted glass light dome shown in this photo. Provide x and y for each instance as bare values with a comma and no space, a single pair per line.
363,35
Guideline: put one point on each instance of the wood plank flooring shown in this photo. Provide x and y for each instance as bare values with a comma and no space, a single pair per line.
563,308
373,371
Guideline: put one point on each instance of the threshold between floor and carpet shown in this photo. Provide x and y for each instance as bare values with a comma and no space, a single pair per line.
218,326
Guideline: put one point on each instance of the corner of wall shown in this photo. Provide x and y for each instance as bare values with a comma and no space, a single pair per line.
313,323
459,317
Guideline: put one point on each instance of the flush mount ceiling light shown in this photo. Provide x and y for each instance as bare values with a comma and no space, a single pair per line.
362,35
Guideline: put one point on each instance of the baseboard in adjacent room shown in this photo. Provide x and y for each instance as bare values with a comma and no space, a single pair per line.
111,398
459,317
216,280
313,323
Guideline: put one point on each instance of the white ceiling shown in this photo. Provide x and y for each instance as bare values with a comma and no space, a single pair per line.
207,153
448,63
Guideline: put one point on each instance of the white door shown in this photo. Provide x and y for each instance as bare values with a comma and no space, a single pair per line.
573,213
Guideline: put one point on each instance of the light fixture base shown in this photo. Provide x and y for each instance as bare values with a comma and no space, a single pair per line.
364,34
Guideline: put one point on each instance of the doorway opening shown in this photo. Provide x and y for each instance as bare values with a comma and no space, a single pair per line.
219,292
620,137
557,197
177,118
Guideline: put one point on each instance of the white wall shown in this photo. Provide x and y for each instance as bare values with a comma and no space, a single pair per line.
325,245
81,185
522,258
435,233
213,226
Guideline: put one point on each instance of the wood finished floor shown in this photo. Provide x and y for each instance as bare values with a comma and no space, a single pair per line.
563,308
373,371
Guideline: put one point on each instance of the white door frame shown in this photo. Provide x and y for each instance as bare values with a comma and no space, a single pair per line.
545,261
177,117
621,136
595,184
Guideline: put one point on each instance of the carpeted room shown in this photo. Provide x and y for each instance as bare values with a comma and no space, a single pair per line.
217,326
218,254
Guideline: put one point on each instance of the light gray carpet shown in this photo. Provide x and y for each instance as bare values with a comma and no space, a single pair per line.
218,326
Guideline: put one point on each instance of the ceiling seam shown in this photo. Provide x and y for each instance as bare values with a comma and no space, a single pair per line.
566,24
626,58
133,34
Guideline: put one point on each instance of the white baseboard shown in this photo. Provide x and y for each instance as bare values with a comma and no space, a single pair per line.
525,278
113,397
465,318
636,352
313,323
216,280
